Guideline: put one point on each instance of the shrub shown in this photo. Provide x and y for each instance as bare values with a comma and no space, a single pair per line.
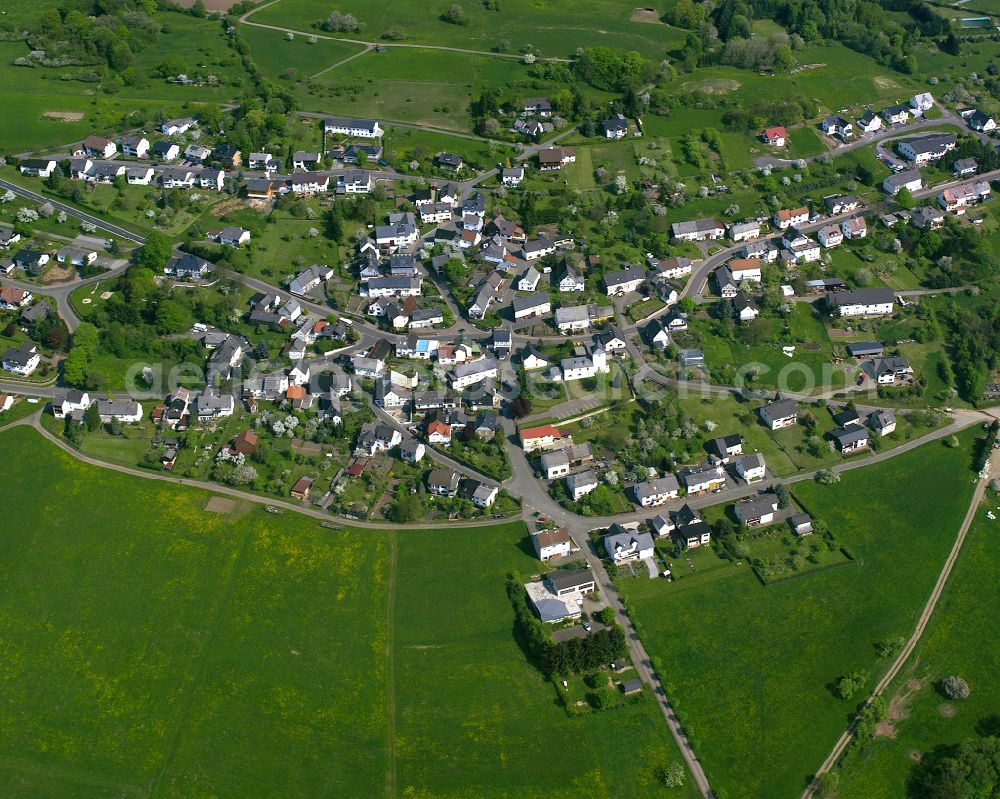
955,688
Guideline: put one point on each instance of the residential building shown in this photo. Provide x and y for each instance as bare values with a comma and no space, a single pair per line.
310,278
776,137
757,511
779,413
536,438
579,484
128,411
854,228
888,370
882,421
910,180
552,158
830,236
725,448
896,114
791,217
840,203
70,403
701,478
656,491
38,167
358,128
473,372
21,360
869,122
550,544
698,230
922,150
751,467
861,302
616,127
743,231
99,147
850,439
625,281
624,545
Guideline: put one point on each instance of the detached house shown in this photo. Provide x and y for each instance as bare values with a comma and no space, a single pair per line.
99,147
656,491
862,302
869,122
135,146
757,511
625,281
703,477
780,413
552,158
38,167
552,544
698,230
616,127
624,545
128,411
926,149
358,128
751,467
979,121
776,137
743,231
896,114
910,180
850,439
536,438
22,360
790,217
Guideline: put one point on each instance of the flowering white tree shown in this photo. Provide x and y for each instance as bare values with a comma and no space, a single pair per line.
25,215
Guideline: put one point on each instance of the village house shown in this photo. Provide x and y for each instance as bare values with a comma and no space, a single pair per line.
757,511
830,236
559,462
751,468
743,231
701,478
850,439
99,147
38,167
21,360
358,128
958,198
779,413
72,403
896,114
911,180
579,484
128,411
656,491
776,137
790,217
536,438
624,545
725,448
855,228
882,422
840,203
552,158
889,370
616,127
697,230
861,302
869,121
551,544
624,281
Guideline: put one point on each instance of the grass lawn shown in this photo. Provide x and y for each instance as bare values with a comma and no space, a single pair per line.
556,28
292,61
750,667
960,640
480,736
143,632
804,141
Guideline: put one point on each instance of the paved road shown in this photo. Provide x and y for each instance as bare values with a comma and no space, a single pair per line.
533,495
925,616
71,211
217,488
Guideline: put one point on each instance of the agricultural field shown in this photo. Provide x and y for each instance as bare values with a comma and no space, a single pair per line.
428,87
171,622
750,668
554,29
961,641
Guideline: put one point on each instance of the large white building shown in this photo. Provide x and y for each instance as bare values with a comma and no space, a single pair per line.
359,128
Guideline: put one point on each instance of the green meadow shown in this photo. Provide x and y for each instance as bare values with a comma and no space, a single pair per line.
554,28
154,648
750,668
960,640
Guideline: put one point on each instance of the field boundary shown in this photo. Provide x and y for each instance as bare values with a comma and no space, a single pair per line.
390,666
